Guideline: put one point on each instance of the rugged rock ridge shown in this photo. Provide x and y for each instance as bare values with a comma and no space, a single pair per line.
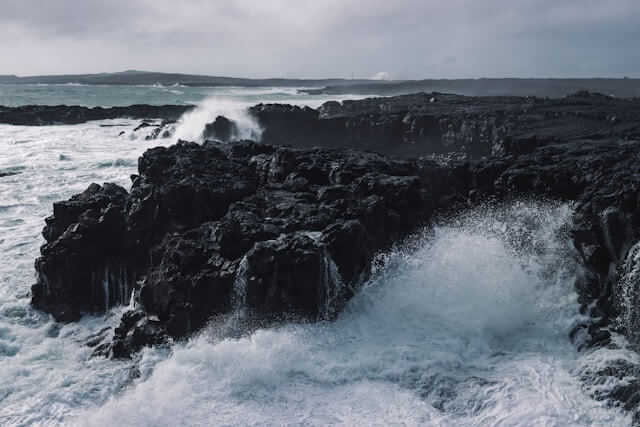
293,231
474,127
197,215
42,115
601,177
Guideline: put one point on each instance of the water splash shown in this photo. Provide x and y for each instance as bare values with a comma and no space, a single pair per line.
239,299
629,294
468,327
105,287
191,125
116,286
332,284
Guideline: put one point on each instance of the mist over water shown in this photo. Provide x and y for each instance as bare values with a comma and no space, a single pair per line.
192,123
465,325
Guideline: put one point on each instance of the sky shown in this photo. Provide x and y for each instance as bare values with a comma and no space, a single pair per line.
392,39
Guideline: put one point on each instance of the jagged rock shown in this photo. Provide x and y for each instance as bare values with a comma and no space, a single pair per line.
413,125
600,177
83,268
291,232
199,214
222,129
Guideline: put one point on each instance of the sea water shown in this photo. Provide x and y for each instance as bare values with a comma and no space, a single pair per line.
465,324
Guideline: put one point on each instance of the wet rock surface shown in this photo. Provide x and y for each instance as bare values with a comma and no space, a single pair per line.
302,226
475,127
43,115
292,232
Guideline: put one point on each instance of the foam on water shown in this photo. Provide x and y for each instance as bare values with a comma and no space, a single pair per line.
45,368
467,327
192,124
234,105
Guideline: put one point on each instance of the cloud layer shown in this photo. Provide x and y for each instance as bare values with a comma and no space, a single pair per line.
312,38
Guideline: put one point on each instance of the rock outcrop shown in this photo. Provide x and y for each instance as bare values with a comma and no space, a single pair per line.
427,123
302,225
290,233
221,129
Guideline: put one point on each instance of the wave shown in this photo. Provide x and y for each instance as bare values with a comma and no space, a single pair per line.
191,125
467,326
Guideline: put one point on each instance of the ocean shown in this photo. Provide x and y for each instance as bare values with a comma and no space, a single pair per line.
467,325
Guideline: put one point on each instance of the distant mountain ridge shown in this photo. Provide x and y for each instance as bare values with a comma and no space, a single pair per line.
548,87
541,87
133,77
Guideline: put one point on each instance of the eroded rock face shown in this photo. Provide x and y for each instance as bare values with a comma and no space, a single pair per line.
290,234
601,177
302,225
84,267
475,127
297,222
221,129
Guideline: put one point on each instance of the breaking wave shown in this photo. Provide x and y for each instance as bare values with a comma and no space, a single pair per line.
191,125
466,326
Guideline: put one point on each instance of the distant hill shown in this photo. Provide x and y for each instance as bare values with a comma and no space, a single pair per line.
7,79
133,77
622,88
552,87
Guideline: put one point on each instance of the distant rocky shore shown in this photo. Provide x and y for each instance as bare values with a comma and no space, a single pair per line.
472,127
291,232
43,115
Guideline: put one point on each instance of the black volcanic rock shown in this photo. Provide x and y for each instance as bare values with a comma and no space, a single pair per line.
299,228
221,129
427,123
41,115
84,264
303,225
292,232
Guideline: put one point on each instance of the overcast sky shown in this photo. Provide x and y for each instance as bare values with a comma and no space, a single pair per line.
322,38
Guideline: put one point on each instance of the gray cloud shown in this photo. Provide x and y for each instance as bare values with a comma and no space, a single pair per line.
311,38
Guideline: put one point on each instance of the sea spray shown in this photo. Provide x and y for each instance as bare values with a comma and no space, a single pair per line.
192,124
469,327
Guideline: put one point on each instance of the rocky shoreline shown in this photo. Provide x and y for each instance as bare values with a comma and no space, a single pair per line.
433,123
44,115
292,232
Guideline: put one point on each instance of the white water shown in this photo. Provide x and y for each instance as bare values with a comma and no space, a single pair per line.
233,105
191,125
468,326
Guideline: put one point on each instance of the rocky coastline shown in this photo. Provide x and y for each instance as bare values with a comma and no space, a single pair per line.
45,115
290,226
432,123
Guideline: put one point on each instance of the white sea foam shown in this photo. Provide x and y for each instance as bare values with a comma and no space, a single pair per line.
467,327
192,124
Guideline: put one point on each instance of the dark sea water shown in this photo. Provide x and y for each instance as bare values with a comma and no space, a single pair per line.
467,327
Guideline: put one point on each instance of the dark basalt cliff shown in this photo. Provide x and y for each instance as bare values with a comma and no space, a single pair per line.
303,226
472,127
42,115
290,233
